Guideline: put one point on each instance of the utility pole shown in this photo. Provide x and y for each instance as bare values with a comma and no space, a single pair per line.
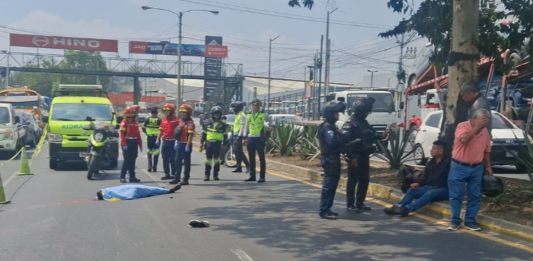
270,68
319,65
372,77
463,62
328,50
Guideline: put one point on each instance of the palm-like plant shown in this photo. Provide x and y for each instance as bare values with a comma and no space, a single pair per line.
308,143
395,152
284,138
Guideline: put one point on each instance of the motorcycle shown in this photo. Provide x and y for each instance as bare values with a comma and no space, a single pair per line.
229,159
100,151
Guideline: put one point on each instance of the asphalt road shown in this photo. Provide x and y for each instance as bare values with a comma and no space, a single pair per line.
54,216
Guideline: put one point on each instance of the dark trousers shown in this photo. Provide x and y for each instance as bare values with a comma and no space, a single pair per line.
152,151
212,155
360,177
257,145
183,160
239,153
130,156
169,157
332,172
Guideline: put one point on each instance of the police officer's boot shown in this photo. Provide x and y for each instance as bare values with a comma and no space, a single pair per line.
155,160
207,171
216,171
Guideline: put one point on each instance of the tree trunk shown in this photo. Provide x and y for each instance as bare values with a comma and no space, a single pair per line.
463,63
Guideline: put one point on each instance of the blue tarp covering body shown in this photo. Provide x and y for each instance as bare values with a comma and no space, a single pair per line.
132,191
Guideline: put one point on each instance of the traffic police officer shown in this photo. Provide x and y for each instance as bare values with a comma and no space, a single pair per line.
331,144
256,141
212,138
130,140
361,139
167,129
151,129
240,126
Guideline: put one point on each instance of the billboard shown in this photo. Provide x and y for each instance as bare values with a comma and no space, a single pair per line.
168,48
62,42
212,68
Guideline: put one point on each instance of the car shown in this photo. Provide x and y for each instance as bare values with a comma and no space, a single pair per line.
11,131
506,139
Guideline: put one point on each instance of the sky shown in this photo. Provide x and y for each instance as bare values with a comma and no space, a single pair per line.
246,30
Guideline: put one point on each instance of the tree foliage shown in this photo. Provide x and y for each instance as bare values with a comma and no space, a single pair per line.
45,83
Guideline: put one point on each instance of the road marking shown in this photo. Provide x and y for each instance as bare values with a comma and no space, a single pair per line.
159,182
241,255
424,217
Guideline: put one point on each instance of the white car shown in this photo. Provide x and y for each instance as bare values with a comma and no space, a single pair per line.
506,139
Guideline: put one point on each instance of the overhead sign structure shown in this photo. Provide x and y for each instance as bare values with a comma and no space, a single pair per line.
62,42
212,68
168,48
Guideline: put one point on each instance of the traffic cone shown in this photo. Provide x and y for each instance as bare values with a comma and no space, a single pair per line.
24,163
2,193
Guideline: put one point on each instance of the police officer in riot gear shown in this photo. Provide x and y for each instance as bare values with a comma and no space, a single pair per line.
361,138
331,144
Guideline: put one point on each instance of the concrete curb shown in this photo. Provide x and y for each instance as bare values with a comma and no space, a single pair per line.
389,194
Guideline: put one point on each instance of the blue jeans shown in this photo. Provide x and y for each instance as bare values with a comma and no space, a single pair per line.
423,195
457,179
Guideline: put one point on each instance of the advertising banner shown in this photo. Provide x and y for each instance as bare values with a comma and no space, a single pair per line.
62,42
212,68
168,48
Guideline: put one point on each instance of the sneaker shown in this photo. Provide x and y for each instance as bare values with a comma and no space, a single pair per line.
122,180
134,180
363,207
354,209
185,183
333,213
237,170
261,181
149,170
166,177
392,210
174,189
206,178
327,215
454,227
175,182
473,227
404,212
249,179
216,178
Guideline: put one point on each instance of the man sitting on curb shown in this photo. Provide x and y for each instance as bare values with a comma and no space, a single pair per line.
132,191
432,187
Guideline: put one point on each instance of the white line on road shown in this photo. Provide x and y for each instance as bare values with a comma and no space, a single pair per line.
241,255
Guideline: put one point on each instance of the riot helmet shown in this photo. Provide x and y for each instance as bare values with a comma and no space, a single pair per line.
332,109
362,107
237,106
216,112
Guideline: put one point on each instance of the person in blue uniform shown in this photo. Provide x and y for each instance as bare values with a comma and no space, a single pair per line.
331,144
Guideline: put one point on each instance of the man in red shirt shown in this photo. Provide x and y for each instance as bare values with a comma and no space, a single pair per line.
130,139
470,159
183,145
168,127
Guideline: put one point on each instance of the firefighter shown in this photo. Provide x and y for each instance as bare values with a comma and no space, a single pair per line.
151,129
130,140
239,132
212,138
167,139
257,134
331,144
362,138
184,134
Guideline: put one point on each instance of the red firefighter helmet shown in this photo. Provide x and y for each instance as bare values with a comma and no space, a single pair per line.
129,112
169,107
186,108
135,108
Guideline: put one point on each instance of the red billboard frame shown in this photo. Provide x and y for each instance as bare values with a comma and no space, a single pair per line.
63,42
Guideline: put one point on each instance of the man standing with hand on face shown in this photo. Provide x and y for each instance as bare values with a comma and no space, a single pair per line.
470,159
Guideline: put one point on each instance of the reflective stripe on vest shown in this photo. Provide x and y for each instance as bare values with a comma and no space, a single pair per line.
237,123
152,127
256,124
213,134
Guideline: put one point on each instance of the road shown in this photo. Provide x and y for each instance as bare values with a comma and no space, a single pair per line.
54,216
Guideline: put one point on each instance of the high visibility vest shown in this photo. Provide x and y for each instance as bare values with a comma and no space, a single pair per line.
256,124
152,127
237,123
215,132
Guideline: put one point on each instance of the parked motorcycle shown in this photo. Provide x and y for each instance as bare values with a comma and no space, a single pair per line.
102,150
228,152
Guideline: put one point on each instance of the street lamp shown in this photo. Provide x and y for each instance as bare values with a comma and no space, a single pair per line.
180,17
372,77
269,68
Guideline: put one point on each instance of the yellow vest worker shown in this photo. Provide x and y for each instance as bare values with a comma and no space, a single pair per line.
151,129
256,141
212,137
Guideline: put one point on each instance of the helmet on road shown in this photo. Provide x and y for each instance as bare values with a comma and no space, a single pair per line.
186,108
362,107
332,108
238,106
